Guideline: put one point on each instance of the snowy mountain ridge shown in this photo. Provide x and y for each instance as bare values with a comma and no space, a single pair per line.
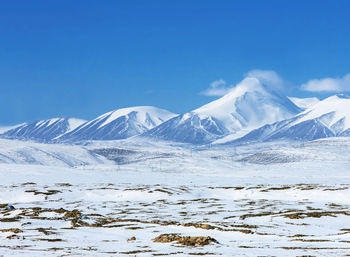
43,130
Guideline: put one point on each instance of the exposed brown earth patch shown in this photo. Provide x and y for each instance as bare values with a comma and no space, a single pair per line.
72,214
13,230
185,240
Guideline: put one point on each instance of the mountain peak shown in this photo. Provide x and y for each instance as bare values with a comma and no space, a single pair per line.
247,106
141,111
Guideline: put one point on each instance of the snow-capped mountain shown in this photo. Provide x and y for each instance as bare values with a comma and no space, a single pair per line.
44,130
119,124
247,106
328,118
304,103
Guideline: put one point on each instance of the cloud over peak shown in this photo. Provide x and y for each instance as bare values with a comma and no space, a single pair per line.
272,81
267,78
328,84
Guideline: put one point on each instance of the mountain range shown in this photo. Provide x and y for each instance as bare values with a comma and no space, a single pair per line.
250,112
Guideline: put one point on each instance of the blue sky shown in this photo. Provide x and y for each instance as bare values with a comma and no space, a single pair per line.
84,58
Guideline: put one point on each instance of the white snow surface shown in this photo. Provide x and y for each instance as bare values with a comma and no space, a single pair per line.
304,103
299,207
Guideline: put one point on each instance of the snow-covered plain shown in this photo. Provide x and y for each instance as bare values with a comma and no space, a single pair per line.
295,204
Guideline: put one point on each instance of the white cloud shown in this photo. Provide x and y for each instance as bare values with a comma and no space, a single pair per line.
217,88
268,78
328,84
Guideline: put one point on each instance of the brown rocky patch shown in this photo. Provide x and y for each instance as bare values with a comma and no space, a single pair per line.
13,230
49,192
302,215
199,225
72,214
45,231
79,223
185,240
13,219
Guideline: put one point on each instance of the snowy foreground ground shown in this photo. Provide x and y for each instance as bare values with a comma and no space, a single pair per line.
279,202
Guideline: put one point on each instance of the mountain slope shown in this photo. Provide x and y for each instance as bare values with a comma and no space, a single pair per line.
247,106
328,118
44,130
119,124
